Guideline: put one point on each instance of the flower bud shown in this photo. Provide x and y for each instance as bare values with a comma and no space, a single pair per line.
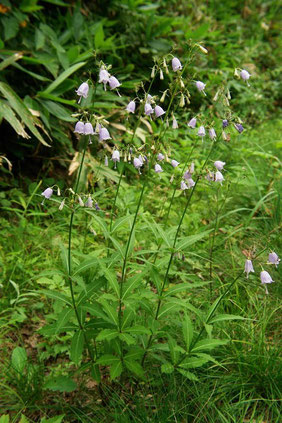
106,161
61,206
224,123
174,123
81,203
161,75
163,96
239,127
182,101
153,73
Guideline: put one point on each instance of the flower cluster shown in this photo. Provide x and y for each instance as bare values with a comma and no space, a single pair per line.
264,275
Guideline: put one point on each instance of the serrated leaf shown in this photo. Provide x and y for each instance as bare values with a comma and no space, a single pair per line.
208,344
167,368
224,317
96,310
108,359
57,296
127,338
111,312
107,334
19,359
77,345
115,370
64,318
131,284
138,330
193,362
134,367
187,374
60,383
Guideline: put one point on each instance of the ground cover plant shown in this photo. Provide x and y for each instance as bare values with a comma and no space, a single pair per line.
138,266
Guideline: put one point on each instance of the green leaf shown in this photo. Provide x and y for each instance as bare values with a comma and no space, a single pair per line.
95,372
60,383
138,330
115,370
11,27
187,374
77,345
121,221
64,318
10,60
96,310
183,287
112,279
132,283
58,111
134,367
127,338
57,296
7,113
208,344
107,334
20,108
167,368
187,330
127,318
193,362
5,418
108,359
63,76
19,359
190,240
224,317
85,265
111,312
22,420
56,419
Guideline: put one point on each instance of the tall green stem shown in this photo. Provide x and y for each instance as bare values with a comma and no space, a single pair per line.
172,253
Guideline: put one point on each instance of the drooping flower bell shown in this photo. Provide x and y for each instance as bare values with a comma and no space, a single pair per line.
81,203
159,111
82,91
115,157
174,163
130,108
114,82
200,85
210,176
104,134
89,202
96,205
212,134
273,258
245,75
219,177
62,204
239,127
137,163
183,185
79,128
265,279
248,267
160,157
88,129
176,64
148,109
47,193
104,77
224,123
174,123
192,123
190,182
219,164
202,132
158,168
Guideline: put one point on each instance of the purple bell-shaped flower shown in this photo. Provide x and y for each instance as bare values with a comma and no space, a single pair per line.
212,134
200,85
174,163
219,164
158,168
248,267
160,157
273,258
148,109
47,193
79,128
159,111
176,64
104,134
114,82
130,108
82,91
192,123
219,177
115,157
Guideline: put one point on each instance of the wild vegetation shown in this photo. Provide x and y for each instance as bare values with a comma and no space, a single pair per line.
140,212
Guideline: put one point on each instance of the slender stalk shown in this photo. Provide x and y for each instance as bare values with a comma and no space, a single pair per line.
172,253
90,350
213,235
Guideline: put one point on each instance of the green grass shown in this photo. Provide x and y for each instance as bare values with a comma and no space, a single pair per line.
244,387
